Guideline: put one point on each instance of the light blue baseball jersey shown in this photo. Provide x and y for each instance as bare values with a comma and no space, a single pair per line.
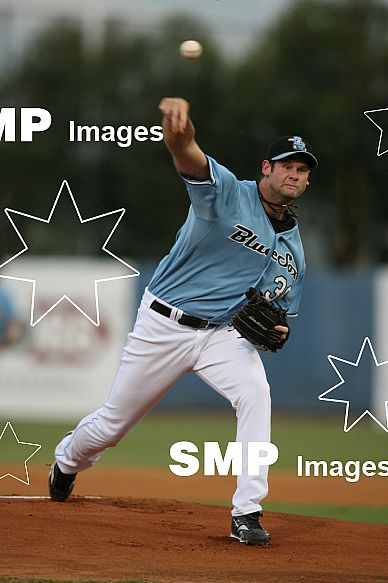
226,245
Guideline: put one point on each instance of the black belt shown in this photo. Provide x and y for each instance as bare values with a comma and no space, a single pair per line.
185,319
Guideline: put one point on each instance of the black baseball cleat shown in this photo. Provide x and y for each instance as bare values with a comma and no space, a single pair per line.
60,485
248,529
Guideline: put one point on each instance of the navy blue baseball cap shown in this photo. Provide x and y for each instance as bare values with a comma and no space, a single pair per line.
289,146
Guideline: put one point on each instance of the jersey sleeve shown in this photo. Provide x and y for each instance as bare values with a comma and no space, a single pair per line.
210,197
295,296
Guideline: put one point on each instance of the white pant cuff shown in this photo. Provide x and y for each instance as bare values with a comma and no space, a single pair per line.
247,510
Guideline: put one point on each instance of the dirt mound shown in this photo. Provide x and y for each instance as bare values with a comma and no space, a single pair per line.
171,541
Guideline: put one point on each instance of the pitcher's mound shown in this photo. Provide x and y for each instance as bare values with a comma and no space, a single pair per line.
170,541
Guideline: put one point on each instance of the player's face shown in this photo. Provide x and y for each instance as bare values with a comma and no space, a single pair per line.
288,179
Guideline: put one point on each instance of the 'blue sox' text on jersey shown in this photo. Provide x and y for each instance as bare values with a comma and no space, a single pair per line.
249,239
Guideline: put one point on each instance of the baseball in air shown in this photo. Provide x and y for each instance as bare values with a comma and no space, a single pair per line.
191,49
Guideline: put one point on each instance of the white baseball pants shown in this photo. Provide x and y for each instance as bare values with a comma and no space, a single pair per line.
158,352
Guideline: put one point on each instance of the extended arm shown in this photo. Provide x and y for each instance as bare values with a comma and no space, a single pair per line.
179,137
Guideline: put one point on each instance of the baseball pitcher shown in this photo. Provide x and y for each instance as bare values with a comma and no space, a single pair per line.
228,287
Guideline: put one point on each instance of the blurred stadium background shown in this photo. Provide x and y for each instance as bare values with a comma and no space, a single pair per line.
305,67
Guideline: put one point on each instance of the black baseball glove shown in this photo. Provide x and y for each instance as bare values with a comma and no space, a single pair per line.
256,320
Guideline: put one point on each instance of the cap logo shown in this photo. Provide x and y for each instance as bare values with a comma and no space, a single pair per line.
297,143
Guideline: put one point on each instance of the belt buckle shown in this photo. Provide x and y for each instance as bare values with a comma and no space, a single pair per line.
209,325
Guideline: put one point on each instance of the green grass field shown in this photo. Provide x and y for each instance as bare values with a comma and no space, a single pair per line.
149,443
319,438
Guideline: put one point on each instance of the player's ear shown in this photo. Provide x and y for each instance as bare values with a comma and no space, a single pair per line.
307,183
266,167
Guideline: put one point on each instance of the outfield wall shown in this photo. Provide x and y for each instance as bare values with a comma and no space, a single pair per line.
64,366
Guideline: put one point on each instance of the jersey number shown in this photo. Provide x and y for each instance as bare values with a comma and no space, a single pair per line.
280,291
